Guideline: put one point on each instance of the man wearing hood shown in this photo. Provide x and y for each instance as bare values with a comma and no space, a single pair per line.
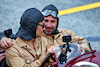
53,34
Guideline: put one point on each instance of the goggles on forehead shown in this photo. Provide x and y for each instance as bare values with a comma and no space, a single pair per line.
50,12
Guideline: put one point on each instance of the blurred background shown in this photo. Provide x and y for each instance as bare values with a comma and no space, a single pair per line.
84,23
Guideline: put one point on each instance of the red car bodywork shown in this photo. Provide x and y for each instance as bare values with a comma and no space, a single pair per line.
93,57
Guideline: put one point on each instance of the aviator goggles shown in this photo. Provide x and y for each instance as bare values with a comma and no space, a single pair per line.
50,12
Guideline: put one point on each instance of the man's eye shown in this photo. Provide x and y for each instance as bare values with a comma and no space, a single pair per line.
46,20
52,21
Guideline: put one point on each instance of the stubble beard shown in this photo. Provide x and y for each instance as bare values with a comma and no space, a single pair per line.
47,32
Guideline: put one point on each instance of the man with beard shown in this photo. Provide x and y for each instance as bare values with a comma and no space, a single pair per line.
54,35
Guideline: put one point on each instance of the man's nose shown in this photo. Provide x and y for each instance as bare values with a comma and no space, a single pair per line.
48,24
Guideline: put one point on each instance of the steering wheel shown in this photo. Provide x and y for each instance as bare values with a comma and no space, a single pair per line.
46,59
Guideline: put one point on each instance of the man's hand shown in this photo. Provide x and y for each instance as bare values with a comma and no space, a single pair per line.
5,43
82,49
50,50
